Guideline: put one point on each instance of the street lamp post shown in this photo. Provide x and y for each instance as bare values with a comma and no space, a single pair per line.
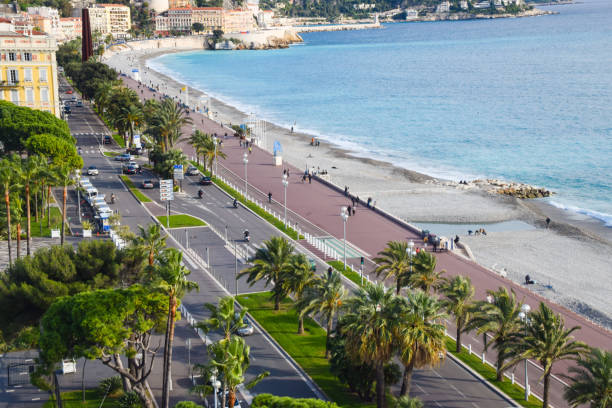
344,215
524,315
245,160
215,142
410,252
285,184
215,383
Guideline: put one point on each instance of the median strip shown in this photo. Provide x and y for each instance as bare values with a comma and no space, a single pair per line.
181,221
139,195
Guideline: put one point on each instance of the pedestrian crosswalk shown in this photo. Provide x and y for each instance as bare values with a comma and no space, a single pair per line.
91,134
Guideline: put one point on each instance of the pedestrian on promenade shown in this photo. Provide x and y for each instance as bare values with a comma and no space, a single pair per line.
547,222
369,202
353,201
346,191
354,210
250,150
357,201
270,197
349,210
309,179
287,173
240,142
329,272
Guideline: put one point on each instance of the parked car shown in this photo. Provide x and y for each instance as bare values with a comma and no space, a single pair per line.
123,157
147,184
92,171
133,163
107,139
192,171
79,103
69,91
205,181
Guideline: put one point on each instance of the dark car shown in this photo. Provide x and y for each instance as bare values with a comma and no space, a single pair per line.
107,139
130,170
136,151
205,181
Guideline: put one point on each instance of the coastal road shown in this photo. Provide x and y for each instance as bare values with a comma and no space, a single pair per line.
284,378
369,231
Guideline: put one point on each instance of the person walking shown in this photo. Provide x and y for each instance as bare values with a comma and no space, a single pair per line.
547,222
309,179
349,210
250,150
346,191
270,197
353,201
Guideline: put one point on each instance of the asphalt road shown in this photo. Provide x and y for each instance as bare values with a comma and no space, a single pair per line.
446,386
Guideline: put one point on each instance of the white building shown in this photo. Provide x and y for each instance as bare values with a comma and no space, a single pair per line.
412,14
443,7
159,5
463,4
364,6
113,19
70,28
483,4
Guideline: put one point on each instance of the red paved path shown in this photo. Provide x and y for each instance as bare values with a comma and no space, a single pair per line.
369,230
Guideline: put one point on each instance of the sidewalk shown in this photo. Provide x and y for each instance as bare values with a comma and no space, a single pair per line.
368,230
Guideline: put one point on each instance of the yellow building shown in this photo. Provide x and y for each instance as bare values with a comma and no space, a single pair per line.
28,70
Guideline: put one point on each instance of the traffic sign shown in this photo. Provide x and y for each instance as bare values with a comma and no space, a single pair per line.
166,190
178,172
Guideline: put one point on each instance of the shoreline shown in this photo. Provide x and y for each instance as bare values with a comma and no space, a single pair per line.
418,197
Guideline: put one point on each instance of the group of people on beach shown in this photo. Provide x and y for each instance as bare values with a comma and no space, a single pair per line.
480,231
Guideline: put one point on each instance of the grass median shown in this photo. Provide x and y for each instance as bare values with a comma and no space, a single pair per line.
181,221
139,195
308,350
111,154
251,205
348,272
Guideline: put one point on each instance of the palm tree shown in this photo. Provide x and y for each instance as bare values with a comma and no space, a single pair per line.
198,140
18,217
369,326
394,261
64,176
169,122
231,358
501,319
223,316
151,240
301,277
9,179
132,116
324,298
459,292
103,95
420,334
32,167
212,153
171,278
592,380
425,276
407,402
272,262
547,341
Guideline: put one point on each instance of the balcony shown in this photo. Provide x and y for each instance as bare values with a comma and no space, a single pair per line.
9,84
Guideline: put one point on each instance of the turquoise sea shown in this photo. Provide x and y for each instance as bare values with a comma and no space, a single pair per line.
526,99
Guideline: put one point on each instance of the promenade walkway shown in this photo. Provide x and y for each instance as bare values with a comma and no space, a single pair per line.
316,208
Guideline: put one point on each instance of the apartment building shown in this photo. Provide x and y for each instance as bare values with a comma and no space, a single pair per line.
28,69
235,21
213,18
210,17
113,19
70,28
47,19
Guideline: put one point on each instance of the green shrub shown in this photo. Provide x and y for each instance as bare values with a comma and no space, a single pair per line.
129,400
187,404
111,385
273,401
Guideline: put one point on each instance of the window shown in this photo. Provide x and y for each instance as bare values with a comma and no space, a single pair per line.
29,95
27,74
12,56
44,95
13,76
14,96
42,74
27,56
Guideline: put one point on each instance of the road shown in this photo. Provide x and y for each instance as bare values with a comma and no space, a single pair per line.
449,385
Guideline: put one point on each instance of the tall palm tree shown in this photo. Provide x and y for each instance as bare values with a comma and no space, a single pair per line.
232,358
394,262
272,263
324,298
459,293
64,177
17,209
547,341
501,320
369,326
132,116
103,95
223,316
212,153
32,167
171,278
199,141
425,276
151,240
301,277
592,380
420,334
169,122
9,179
